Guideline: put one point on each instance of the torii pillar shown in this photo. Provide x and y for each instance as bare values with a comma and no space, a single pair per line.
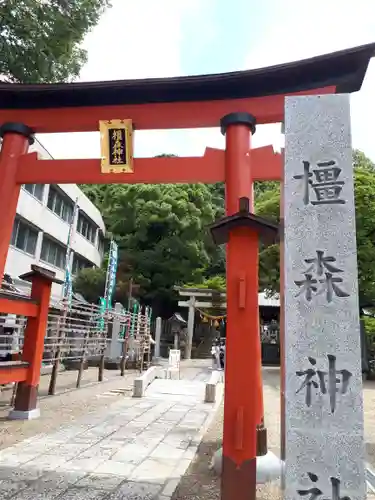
16,139
244,433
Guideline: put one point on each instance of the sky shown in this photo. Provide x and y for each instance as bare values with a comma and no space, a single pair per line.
148,38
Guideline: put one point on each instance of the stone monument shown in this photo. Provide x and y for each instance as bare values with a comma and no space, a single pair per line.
157,338
324,445
114,348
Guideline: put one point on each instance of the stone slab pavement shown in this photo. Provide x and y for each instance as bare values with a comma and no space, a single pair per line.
135,449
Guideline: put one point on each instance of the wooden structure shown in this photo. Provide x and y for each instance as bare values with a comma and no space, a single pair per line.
178,324
235,102
26,371
142,342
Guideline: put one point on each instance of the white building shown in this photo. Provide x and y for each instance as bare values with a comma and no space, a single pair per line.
41,228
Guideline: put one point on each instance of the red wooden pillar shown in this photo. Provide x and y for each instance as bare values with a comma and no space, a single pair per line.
25,407
241,377
16,139
243,403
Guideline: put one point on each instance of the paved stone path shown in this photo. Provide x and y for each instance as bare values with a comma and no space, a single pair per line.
136,449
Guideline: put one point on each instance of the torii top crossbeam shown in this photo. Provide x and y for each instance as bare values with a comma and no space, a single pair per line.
183,102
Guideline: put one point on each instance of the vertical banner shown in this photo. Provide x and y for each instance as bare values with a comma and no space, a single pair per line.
148,319
111,274
324,441
133,319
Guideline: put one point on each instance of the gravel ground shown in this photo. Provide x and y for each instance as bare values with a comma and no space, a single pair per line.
199,482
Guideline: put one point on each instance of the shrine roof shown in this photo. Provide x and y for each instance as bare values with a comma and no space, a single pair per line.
344,70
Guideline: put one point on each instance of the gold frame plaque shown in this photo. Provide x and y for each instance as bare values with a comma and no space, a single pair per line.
116,146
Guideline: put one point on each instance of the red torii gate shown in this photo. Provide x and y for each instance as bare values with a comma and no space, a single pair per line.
236,101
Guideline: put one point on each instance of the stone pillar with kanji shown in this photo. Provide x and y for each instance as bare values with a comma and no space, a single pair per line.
324,443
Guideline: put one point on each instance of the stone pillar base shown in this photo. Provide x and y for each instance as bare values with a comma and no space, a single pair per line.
25,405
24,415
268,467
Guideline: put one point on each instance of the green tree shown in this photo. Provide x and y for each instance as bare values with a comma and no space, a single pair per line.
90,283
162,235
261,187
216,267
268,205
365,224
40,40
162,229
96,193
214,283
216,254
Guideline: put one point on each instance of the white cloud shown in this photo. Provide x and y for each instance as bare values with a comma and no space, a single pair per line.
298,31
141,39
134,39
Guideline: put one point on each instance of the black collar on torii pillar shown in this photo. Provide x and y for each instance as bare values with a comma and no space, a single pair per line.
267,231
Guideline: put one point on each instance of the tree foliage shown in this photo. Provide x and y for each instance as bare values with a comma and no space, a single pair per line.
217,282
90,283
365,224
40,39
163,237
369,322
267,204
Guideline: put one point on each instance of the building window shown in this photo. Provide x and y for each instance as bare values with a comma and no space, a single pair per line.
24,236
36,190
101,244
86,227
60,204
53,253
80,263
